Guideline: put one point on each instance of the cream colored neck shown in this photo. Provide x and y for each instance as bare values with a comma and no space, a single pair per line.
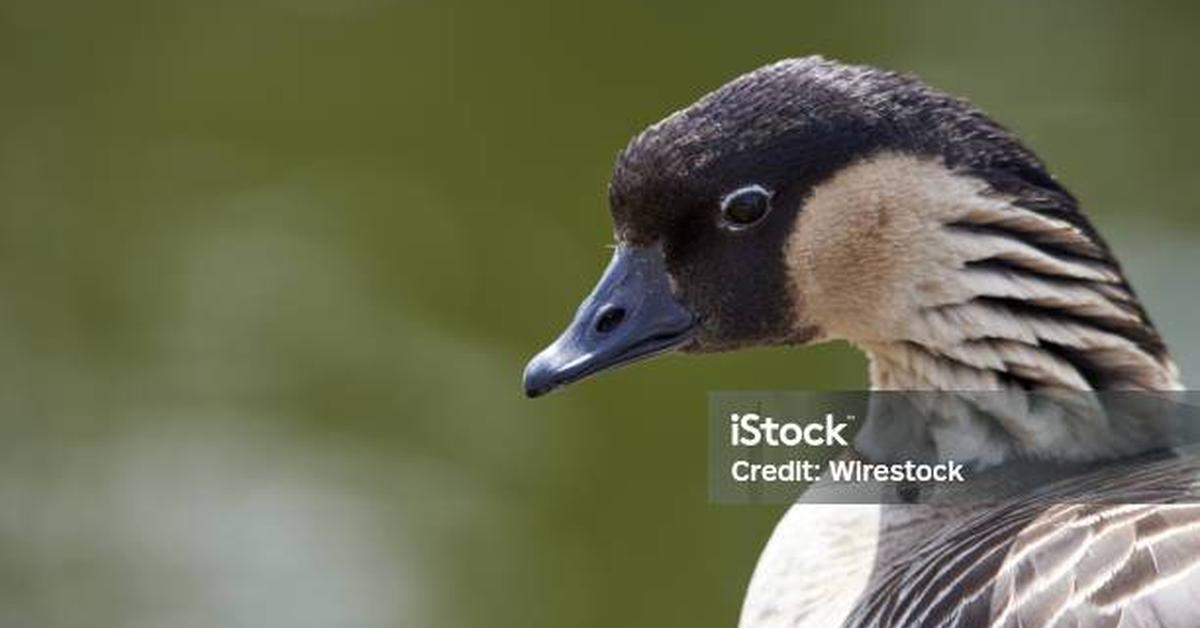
948,285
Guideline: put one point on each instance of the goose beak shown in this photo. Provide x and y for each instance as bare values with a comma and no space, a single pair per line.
630,315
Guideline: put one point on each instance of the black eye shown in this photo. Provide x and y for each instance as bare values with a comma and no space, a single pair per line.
744,207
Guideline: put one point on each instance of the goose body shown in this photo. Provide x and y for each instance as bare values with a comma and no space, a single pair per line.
811,200
1046,560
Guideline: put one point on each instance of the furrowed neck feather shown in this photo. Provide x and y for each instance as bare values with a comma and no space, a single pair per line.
951,284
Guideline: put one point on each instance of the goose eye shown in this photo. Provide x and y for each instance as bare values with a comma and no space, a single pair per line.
745,207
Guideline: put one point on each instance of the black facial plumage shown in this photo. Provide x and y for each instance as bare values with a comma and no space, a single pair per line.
795,123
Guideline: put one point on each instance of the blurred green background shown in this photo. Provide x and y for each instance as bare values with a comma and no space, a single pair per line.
270,270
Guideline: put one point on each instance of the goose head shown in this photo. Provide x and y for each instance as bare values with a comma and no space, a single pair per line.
811,200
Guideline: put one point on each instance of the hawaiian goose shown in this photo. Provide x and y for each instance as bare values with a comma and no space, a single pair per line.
810,200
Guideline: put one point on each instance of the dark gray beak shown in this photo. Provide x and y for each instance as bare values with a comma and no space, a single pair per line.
631,314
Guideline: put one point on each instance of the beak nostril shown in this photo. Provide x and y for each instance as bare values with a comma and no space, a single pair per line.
609,319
